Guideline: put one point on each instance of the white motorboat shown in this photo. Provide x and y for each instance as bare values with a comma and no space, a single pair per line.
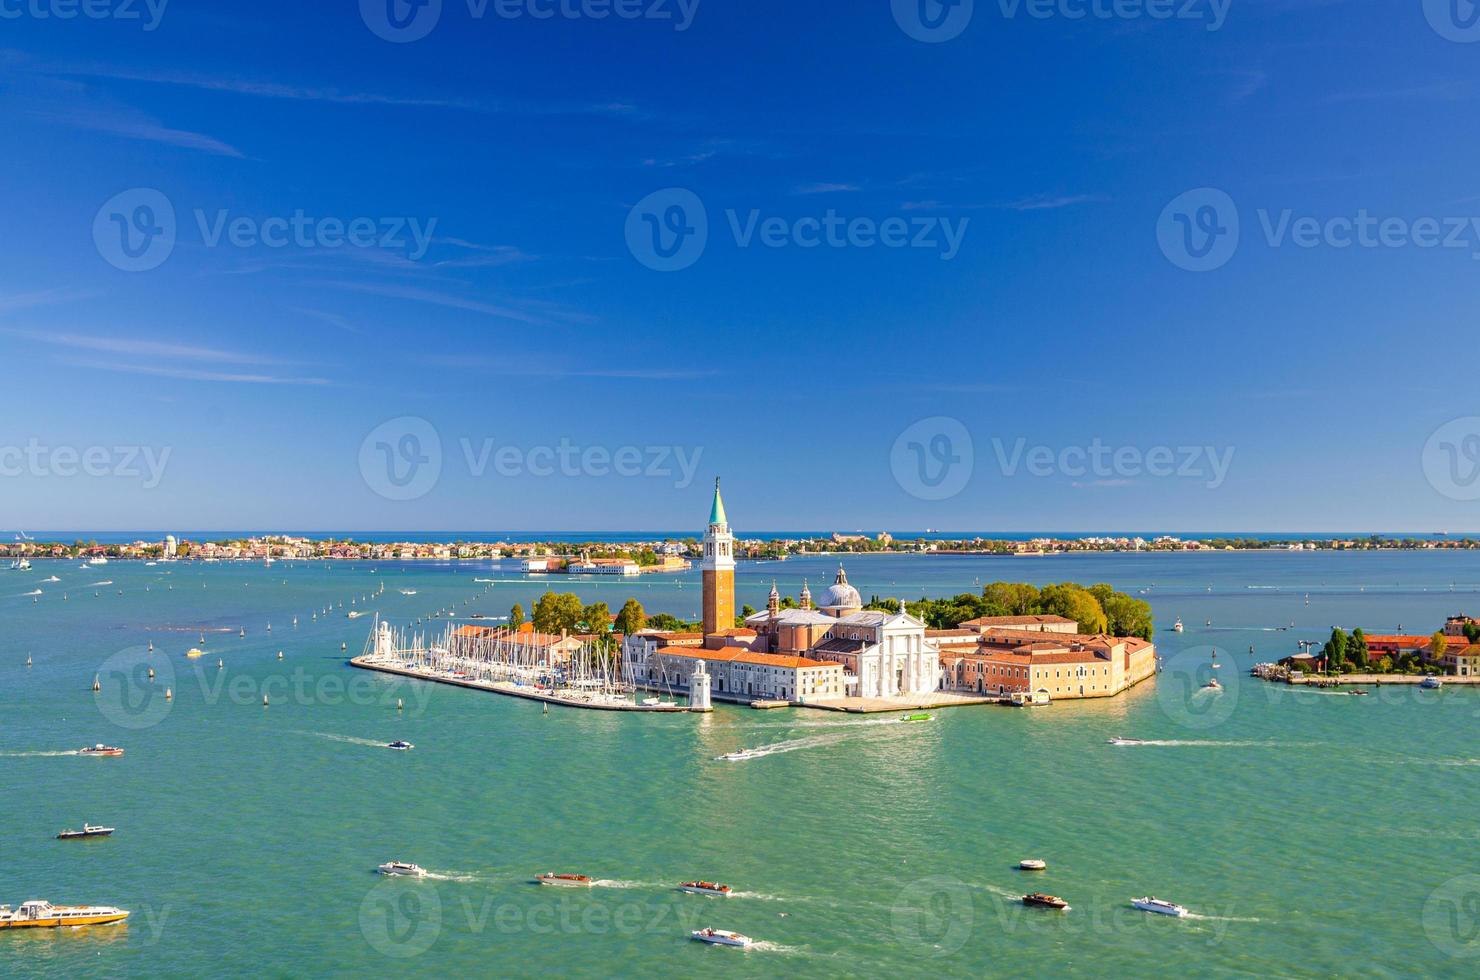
705,888
1177,627
740,756
1431,683
1119,740
1150,904
100,750
400,745
722,937
100,560
402,869
1213,685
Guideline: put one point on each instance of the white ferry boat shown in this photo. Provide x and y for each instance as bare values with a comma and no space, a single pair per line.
39,913
722,937
402,869
1149,904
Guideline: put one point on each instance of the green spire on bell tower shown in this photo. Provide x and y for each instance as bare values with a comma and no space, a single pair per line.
717,512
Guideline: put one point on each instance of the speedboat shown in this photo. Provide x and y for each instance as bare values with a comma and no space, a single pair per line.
400,746
1149,904
1118,740
740,756
194,652
39,913
920,716
402,869
1177,627
564,881
1431,683
1032,864
705,888
1038,900
722,937
100,749
1213,685
88,830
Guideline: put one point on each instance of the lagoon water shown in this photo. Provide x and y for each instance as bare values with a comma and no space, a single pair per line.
1311,833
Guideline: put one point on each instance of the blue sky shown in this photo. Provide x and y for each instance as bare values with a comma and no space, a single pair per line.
523,320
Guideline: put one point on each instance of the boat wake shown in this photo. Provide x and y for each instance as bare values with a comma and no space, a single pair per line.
1221,918
757,896
1196,743
451,876
827,724
350,739
619,883
35,592
763,946
791,745
97,584
37,755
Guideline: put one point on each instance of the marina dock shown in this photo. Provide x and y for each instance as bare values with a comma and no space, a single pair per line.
570,700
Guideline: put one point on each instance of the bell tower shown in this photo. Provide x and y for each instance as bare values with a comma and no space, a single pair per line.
718,569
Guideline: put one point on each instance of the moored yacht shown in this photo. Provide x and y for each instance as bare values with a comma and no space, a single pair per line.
1431,683
88,830
722,937
402,869
1150,904
39,913
705,888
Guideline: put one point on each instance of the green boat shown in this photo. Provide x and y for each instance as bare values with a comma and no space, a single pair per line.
921,716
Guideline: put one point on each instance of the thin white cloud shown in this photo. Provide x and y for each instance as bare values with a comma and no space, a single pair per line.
826,188
136,347
1053,203
194,374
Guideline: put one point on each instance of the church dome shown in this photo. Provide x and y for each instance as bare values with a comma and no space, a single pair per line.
841,595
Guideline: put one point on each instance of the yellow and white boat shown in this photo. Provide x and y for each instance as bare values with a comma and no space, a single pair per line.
41,914
194,652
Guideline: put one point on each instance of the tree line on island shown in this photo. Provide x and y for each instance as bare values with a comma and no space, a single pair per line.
1097,609
1348,653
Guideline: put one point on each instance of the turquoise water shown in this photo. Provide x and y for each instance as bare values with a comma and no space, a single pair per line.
1311,833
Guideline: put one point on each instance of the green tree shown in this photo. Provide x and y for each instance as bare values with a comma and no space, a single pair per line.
1472,632
1074,602
1126,616
597,617
1357,651
556,611
746,610
516,616
631,619
668,623
1335,649
1015,598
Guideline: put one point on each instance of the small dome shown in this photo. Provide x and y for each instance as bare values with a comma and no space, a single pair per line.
841,595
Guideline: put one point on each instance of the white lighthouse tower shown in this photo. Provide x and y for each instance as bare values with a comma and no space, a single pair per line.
699,689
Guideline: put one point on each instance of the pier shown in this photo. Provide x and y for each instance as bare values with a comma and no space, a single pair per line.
569,699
